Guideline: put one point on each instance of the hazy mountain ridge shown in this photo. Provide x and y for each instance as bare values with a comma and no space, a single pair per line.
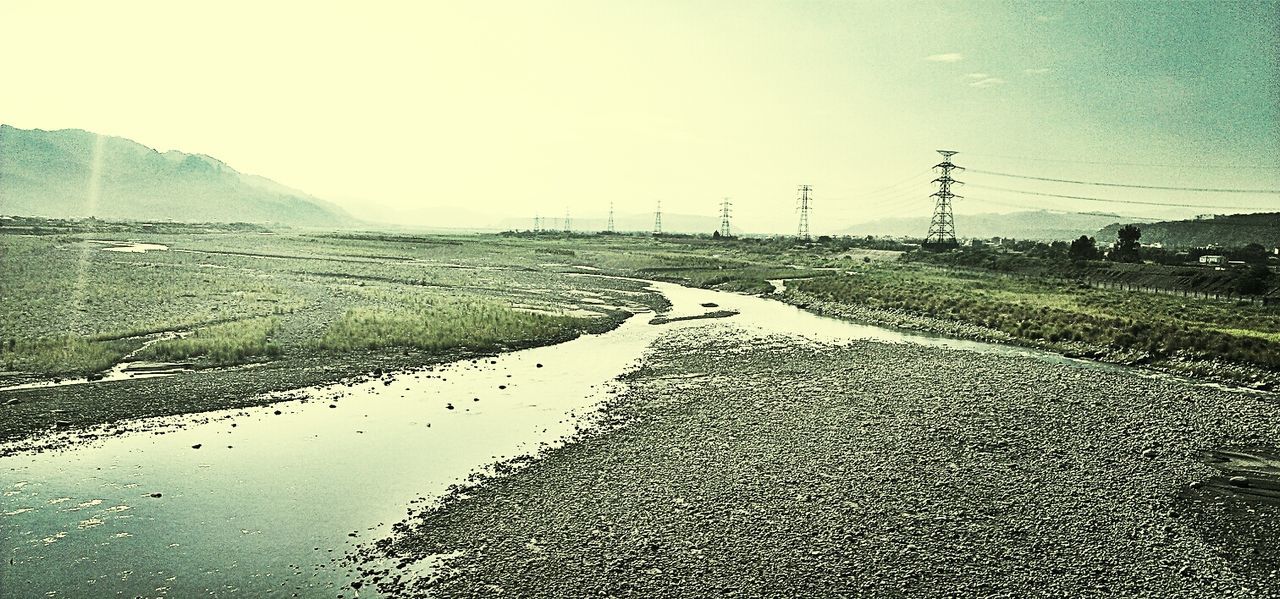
48,173
1225,230
1032,224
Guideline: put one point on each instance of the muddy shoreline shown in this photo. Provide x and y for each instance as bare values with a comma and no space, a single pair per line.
871,469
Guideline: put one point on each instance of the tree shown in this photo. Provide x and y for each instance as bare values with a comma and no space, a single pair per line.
1255,281
1126,246
1084,248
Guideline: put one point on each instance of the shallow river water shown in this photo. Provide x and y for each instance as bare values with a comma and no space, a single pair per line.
267,500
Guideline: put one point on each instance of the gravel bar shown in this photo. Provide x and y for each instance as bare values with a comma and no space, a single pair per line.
750,466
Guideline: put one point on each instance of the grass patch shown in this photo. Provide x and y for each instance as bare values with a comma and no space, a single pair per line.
220,345
1044,311
437,323
64,355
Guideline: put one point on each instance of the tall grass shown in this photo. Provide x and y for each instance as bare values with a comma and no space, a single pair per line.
220,345
63,354
440,323
1056,314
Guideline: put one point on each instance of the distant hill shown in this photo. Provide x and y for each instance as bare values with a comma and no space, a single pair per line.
1034,224
1225,230
48,173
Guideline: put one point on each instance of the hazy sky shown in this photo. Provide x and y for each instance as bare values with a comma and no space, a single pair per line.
512,108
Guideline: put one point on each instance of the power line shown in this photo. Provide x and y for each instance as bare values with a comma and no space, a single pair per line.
1129,185
880,190
1089,199
1179,166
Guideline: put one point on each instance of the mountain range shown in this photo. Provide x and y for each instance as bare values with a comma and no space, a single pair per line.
71,173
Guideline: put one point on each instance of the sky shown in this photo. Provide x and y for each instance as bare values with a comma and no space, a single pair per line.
428,112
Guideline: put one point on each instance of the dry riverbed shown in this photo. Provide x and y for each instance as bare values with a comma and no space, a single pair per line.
770,466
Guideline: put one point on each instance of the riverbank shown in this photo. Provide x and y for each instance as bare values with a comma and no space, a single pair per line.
753,466
239,317
1231,344
49,417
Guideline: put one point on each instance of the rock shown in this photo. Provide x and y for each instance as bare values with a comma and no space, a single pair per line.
197,446
539,364
333,405
155,495
448,406
277,412
1239,481
1150,453
11,402
502,386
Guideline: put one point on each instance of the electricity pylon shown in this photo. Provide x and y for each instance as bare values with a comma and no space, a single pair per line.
942,227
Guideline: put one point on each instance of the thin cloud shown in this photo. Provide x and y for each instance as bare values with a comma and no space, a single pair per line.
1039,71
948,57
988,82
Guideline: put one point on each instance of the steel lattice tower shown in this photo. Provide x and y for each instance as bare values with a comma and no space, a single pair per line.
657,219
610,229
537,223
567,228
803,205
724,217
942,227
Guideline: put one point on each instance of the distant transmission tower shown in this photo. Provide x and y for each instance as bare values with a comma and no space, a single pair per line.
610,229
537,223
724,217
657,219
803,204
567,228
942,228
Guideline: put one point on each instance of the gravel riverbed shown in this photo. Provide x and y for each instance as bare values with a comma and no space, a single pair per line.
772,466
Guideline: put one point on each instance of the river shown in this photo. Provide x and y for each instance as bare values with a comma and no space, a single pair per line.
262,501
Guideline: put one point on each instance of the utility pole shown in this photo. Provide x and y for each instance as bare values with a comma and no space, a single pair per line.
610,229
537,223
942,227
657,219
724,217
567,228
803,205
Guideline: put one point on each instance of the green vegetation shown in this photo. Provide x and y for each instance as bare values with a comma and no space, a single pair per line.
64,354
1063,315
250,295
71,308
221,344
440,323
